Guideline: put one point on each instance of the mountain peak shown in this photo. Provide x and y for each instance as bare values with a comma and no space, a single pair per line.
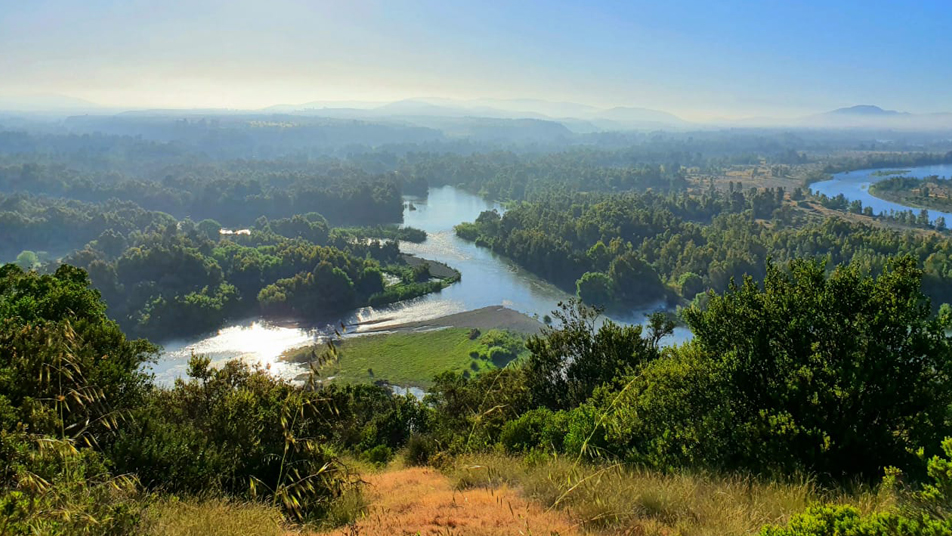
864,109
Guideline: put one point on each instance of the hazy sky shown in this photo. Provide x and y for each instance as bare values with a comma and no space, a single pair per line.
698,58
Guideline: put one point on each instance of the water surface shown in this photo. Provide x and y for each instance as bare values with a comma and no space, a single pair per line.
855,185
487,279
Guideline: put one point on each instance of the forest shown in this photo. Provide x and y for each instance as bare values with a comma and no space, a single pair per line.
619,250
929,193
814,388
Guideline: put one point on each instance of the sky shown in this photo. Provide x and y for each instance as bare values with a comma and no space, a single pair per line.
701,59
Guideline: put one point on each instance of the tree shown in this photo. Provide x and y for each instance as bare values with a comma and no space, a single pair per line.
690,284
842,375
595,288
210,229
333,289
567,363
599,255
660,325
634,280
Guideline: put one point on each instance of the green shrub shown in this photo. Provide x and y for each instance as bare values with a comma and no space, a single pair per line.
419,450
536,429
241,432
51,488
584,435
379,455
833,520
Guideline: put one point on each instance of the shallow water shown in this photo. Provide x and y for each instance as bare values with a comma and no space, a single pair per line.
487,279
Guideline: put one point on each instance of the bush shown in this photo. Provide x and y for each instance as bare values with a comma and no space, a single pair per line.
584,435
379,455
673,414
52,488
536,429
419,450
833,520
841,374
239,431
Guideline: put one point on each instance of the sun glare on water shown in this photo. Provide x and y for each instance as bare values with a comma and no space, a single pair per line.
256,343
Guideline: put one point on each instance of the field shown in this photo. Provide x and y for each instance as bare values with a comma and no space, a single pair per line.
413,359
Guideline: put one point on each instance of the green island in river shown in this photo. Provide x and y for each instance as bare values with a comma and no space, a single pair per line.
413,354
931,193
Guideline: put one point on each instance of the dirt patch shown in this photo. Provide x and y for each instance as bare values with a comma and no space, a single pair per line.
422,501
485,318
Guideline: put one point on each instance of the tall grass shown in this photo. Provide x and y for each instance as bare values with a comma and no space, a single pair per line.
616,499
212,517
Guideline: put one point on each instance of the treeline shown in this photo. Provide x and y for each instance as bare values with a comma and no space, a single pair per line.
929,192
60,226
636,248
883,160
908,218
232,193
508,176
181,278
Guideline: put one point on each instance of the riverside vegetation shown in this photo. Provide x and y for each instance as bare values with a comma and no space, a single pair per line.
812,399
842,376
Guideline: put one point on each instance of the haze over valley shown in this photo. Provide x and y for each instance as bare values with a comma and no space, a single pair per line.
377,268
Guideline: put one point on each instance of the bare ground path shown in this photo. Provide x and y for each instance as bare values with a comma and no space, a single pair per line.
423,501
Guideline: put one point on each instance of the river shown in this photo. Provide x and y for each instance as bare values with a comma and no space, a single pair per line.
487,279
855,185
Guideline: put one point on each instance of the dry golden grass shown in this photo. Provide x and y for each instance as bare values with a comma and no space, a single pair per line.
212,517
425,502
616,500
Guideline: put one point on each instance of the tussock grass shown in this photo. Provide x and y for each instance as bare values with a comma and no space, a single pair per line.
224,517
212,517
615,499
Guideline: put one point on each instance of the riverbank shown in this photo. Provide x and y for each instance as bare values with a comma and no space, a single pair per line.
930,194
484,318
414,353
858,185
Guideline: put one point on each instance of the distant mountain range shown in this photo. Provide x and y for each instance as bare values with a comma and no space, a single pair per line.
576,117
467,118
581,118
46,102
866,110
869,116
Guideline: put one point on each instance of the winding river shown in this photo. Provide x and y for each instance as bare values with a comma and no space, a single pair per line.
855,185
487,279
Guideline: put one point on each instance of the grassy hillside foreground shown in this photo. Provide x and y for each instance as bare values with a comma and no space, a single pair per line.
414,359
489,495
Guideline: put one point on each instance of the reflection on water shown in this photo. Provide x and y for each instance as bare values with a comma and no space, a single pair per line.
487,279
855,185
255,341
